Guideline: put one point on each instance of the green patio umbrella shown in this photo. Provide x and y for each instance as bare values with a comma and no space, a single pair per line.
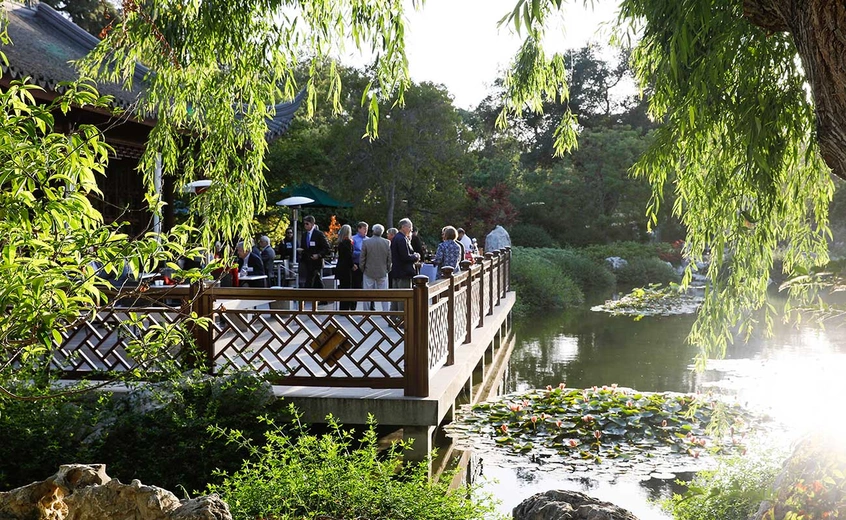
321,198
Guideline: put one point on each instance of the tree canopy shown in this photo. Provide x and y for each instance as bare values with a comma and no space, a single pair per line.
751,151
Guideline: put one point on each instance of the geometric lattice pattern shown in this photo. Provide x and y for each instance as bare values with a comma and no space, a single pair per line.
281,342
320,347
438,333
461,301
100,345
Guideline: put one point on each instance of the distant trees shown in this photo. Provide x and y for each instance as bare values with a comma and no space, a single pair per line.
92,15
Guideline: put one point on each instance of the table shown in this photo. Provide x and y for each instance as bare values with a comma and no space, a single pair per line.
430,271
251,278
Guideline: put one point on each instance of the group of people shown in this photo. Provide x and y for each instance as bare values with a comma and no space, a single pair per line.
364,262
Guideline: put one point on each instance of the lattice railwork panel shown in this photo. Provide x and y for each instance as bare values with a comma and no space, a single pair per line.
495,287
486,298
438,333
474,302
288,344
461,315
100,344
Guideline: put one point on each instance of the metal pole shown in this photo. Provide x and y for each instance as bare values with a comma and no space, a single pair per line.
294,259
157,185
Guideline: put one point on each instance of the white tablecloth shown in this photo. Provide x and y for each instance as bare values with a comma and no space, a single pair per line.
430,271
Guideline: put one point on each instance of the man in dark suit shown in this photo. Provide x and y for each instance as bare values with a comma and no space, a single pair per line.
403,259
315,248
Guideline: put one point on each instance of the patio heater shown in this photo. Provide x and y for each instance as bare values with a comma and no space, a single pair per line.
295,203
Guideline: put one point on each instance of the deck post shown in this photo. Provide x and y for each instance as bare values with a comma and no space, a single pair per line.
417,340
450,275
498,261
468,316
421,447
481,295
489,257
507,269
201,305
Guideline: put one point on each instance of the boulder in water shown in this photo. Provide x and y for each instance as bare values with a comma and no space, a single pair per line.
568,505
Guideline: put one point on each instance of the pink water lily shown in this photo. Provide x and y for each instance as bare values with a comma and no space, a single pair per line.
664,423
562,386
597,434
558,423
587,418
572,443
534,419
543,416
504,428
629,404
549,388
516,407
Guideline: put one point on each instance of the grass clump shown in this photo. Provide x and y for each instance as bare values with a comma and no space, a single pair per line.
296,474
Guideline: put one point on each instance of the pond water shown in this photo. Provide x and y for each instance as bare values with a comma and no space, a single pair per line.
794,377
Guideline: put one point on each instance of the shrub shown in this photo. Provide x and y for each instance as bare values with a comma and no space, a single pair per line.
530,235
161,438
588,275
540,284
169,444
642,272
297,475
39,435
732,491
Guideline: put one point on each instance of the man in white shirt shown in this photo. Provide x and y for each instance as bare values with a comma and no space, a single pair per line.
465,241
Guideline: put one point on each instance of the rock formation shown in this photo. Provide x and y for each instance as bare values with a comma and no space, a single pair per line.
568,505
85,492
497,239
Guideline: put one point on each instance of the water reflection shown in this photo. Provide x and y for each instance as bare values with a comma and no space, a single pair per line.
584,348
793,377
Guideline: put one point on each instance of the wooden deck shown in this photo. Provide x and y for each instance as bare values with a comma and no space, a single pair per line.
406,367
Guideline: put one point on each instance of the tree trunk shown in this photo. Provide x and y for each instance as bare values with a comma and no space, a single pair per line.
392,197
818,28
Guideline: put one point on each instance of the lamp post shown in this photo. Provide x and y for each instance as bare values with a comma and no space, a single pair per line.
295,203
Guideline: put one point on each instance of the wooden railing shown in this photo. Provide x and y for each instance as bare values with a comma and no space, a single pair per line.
287,335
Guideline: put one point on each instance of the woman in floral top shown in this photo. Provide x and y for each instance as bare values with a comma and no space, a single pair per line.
449,251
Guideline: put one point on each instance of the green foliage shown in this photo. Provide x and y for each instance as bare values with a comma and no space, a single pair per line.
540,284
297,474
655,300
157,433
588,275
169,444
530,235
732,491
219,69
602,423
41,434
626,250
57,257
748,173
812,484
644,271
